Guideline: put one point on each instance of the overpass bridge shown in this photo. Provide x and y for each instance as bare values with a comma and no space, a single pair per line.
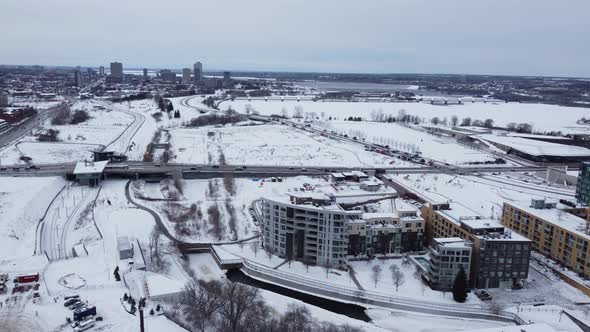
147,170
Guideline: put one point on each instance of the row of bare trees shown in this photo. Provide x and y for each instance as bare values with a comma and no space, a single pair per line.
397,276
231,306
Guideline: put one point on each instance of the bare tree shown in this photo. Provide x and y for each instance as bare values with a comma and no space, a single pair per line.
284,113
466,122
327,268
215,221
239,300
397,276
268,253
297,318
298,112
454,120
254,246
203,300
249,109
376,274
230,184
159,264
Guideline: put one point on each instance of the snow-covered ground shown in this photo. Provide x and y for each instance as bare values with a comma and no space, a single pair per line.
208,193
271,145
399,137
542,117
91,276
23,202
413,287
75,141
482,194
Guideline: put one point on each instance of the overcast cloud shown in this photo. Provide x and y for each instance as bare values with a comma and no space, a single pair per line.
526,37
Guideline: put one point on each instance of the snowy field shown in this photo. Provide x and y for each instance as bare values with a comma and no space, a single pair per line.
482,194
270,145
441,149
542,117
211,193
23,202
76,141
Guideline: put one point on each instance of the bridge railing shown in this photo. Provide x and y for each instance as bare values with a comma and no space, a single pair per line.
380,299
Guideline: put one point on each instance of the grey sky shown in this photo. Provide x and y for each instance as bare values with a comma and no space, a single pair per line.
530,37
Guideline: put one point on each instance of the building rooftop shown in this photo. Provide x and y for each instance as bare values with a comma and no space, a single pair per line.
459,212
123,243
453,242
90,167
327,207
538,148
556,216
379,215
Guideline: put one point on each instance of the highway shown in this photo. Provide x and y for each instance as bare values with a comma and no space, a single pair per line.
133,169
17,132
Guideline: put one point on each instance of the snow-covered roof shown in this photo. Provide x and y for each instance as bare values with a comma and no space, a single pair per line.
539,136
455,242
123,243
158,284
555,216
379,215
372,181
538,148
90,167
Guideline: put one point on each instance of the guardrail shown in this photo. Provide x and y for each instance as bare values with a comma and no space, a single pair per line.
319,288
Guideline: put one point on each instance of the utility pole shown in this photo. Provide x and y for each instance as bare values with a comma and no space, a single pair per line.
141,306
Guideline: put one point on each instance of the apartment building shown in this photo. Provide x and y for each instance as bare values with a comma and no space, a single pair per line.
374,233
499,259
386,233
447,256
308,227
555,233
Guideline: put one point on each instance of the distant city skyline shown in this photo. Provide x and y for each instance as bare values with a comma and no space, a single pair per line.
536,38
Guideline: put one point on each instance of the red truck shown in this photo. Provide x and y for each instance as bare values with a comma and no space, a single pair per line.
27,278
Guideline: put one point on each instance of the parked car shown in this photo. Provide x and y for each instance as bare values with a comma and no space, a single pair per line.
483,295
69,302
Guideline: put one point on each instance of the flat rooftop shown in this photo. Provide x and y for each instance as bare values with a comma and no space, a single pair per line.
555,216
538,148
90,167
329,207
454,242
